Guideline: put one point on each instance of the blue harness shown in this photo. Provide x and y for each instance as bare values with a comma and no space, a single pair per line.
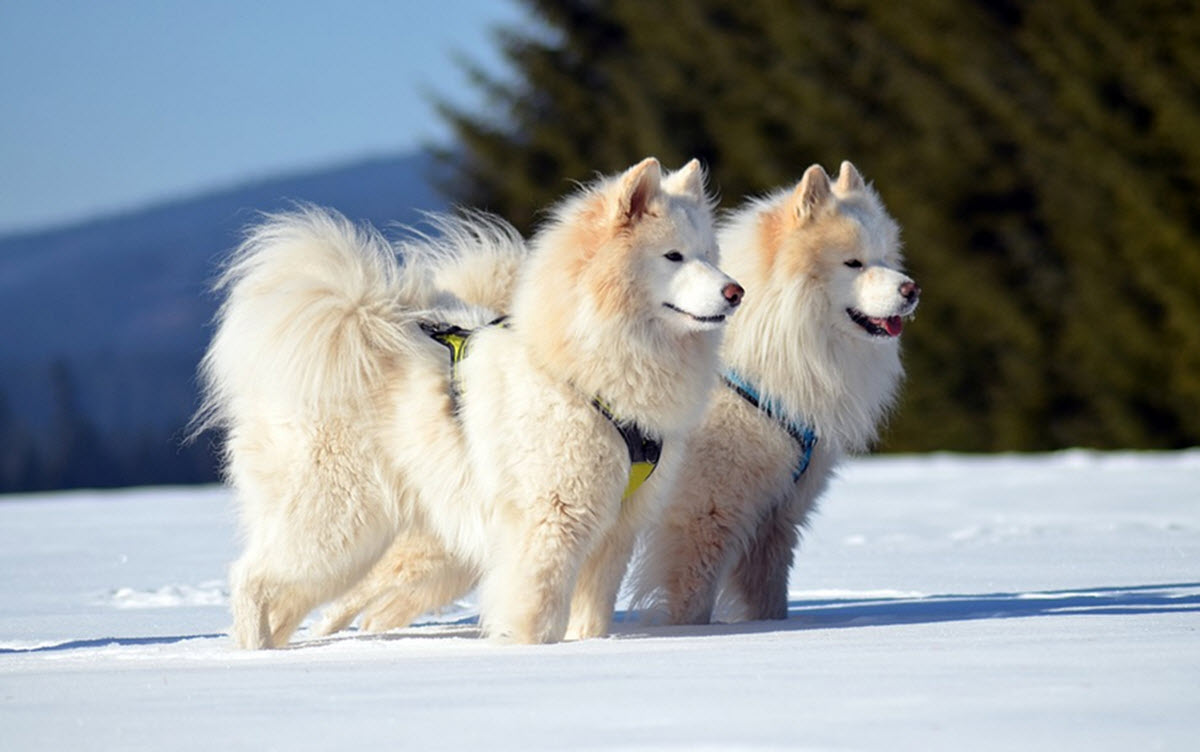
802,433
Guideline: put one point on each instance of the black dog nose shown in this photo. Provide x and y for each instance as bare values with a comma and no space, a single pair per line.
910,290
733,293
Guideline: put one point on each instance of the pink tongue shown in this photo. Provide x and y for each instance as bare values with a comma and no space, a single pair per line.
894,325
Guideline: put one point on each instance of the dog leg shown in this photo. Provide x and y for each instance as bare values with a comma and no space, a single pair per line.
338,615
288,608
691,592
400,606
248,597
525,595
388,574
688,554
760,577
710,513
415,576
267,609
272,592
600,578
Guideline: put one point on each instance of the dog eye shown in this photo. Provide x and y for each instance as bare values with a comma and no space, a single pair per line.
673,256
854,264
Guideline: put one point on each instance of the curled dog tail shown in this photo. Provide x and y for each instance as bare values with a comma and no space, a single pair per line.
314,311
472,256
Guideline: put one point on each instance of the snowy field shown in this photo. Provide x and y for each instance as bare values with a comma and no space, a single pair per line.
1037,602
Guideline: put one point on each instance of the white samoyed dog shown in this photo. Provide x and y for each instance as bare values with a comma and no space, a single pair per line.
358,410
811,366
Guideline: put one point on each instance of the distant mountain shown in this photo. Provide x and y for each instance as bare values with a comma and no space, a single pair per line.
102,323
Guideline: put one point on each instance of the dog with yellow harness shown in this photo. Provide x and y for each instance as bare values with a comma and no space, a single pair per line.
357,418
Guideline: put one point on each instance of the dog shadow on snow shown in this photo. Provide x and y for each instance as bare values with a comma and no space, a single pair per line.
883,611
851,612
803,614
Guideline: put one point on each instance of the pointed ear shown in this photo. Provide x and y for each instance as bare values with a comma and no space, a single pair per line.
687,180
849,179
812,194
638,187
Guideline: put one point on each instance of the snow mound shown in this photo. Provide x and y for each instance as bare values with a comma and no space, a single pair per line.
209,593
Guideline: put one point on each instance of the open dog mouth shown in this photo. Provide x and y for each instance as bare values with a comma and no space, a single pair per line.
888,326
701,319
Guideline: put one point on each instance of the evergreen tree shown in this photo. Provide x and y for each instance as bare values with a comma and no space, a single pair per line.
1042,158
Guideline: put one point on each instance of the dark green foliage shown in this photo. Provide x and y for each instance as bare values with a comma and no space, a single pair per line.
1043,159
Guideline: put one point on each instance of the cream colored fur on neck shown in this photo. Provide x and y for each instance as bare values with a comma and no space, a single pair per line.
781,340
645,371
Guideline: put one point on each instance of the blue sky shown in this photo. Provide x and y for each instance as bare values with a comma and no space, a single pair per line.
116,104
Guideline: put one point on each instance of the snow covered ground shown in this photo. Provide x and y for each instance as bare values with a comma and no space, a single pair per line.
939,602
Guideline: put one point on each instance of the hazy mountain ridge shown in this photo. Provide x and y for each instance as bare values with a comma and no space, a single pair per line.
102,322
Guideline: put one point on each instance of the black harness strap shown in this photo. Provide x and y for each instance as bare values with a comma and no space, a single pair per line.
643,450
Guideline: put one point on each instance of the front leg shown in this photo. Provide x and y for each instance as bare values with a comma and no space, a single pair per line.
687,556
525,595
760,577
599,581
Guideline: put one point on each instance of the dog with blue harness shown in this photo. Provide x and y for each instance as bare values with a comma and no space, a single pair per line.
811,367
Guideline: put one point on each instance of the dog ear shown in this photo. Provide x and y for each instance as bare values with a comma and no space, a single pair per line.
638,187
688,180
849,179
812,194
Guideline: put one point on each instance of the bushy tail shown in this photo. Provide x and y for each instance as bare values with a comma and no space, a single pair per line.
471,256
315,308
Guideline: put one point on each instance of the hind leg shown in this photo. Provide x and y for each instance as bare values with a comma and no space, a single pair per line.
338,615
416,575
293,563
248,598
401,605
269,607
288,609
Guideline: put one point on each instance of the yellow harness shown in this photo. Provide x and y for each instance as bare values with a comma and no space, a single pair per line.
644,451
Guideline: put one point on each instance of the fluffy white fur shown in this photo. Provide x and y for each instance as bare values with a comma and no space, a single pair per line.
342,435
813,254
817,337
